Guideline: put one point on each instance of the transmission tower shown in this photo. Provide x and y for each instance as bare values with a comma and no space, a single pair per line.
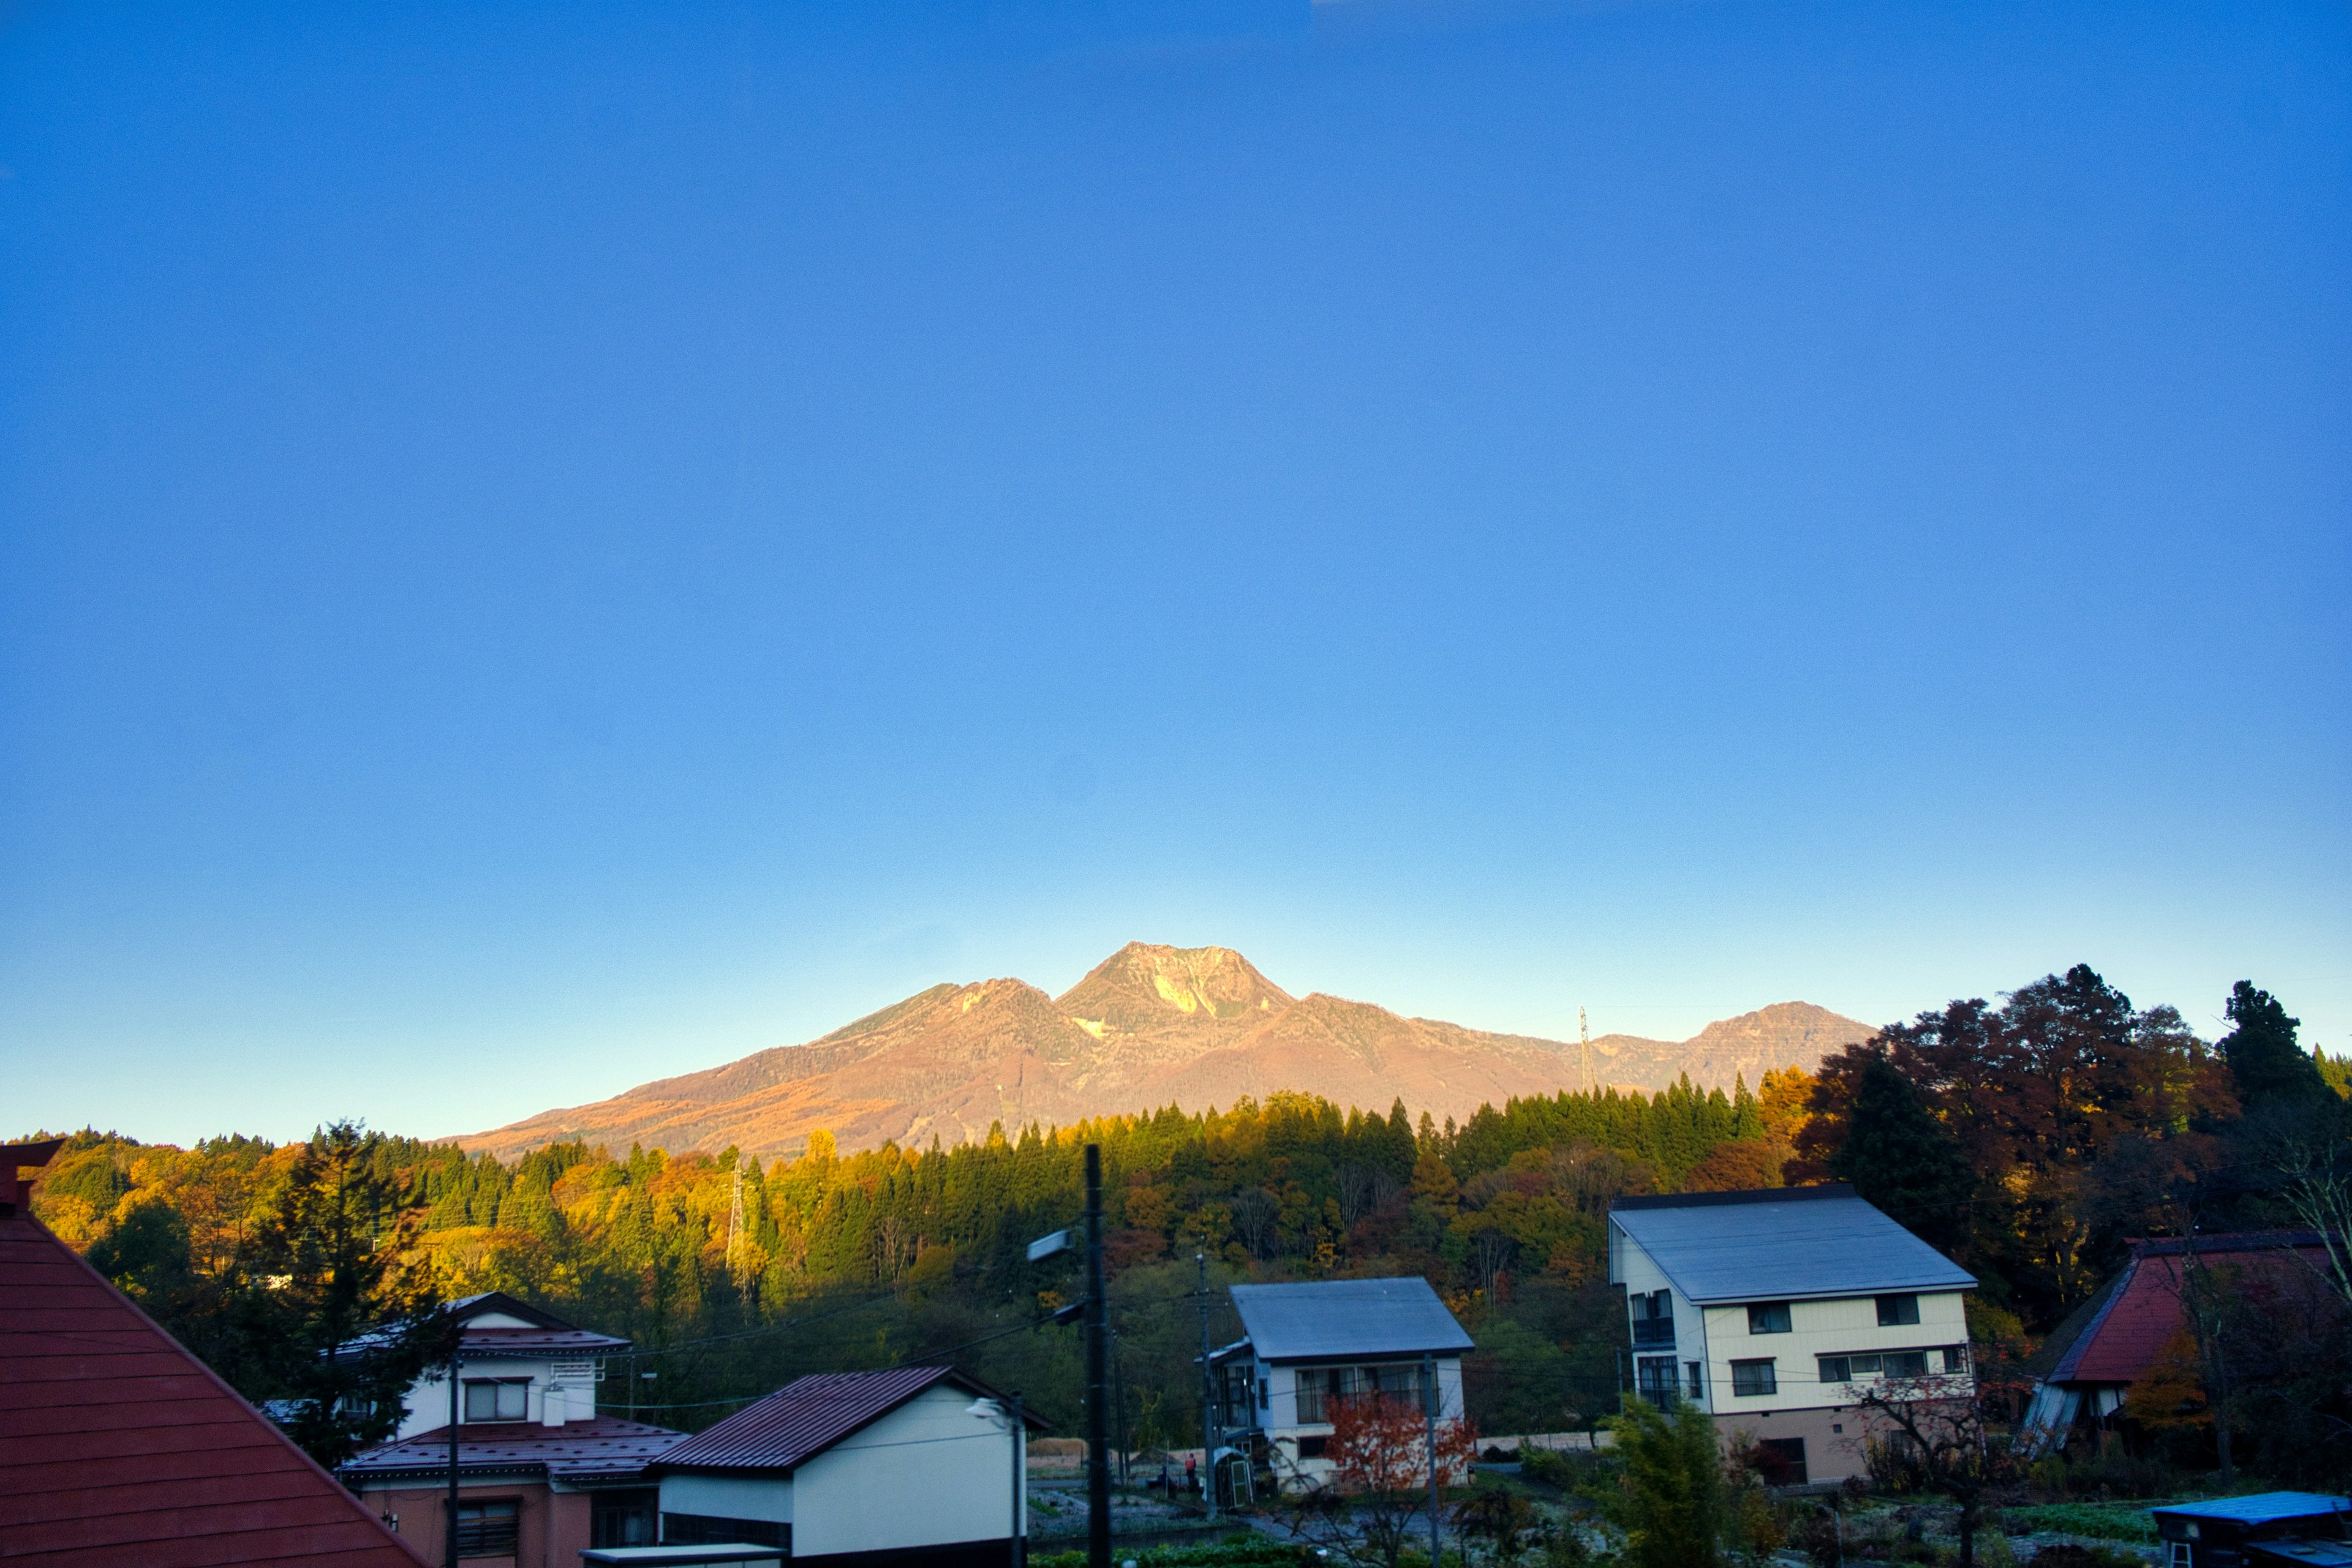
735,1232
1584,1048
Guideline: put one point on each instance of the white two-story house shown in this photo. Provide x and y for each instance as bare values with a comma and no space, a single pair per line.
1774,1311
1305,1346
516,1364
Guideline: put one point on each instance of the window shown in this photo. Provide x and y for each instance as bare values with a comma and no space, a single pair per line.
1318,1385
1874,1363
1697,1373
1750,1378
1653,1318
623,1517
1768,1317
488,1529
499,1400
1313,1448
1781,1461
1956,1358
1654,1378
1894,1311
707,1530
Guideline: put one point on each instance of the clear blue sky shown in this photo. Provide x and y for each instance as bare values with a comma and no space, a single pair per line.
543,548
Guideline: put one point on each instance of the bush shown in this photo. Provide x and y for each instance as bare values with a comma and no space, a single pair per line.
1570,1471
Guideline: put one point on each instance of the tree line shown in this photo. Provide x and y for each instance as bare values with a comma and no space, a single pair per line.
2030,1139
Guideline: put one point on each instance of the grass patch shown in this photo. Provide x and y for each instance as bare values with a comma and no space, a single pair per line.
2100,1520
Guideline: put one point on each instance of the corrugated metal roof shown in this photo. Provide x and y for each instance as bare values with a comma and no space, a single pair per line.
2141,1310
1339,1318
1777,1244
117,1446
804,1418
2262,1508
604,1448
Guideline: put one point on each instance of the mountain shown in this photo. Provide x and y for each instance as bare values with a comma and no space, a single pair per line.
1148,1026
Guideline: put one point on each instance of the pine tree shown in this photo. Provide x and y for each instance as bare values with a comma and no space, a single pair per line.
1901,1159
2269,1066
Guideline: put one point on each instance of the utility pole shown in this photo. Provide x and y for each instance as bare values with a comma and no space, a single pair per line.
1020,1473
1429,1407
449,1526
1097,1373
735,1232
1208,1397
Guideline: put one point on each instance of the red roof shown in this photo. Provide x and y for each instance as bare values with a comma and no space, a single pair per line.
118,1447
804,1418
2141,1311
604,1448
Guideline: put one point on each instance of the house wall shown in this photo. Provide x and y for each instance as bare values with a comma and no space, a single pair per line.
1832,1327
930,1473
552,1529
1281,1411
552,1400
729,1496
1632,1267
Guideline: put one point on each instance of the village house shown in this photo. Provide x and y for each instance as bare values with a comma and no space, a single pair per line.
117,1446
1305,1346
541,1475
2140,1317
857,1469
1776,1311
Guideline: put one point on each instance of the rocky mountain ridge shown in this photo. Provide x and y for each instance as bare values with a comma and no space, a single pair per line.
1150,1026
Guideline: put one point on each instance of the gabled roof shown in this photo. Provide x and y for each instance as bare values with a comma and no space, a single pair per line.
605,1449
117,1446
1340,1319
2139,1311
548,1334
1781,1244
805,1417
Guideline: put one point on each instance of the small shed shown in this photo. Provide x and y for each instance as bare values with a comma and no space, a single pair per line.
911,1464
2240,1532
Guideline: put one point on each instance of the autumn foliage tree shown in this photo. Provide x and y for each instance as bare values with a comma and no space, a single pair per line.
1373,1503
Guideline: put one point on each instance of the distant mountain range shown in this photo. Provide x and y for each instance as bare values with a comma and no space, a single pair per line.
1150,1026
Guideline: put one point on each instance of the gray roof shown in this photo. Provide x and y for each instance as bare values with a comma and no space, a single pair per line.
1782,1243
2262,1508
1338,1319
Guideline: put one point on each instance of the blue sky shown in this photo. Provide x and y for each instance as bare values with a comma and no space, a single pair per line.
542,548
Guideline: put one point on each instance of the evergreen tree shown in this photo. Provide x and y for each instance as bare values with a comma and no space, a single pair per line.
1901,1159
1669,1499
2265,1061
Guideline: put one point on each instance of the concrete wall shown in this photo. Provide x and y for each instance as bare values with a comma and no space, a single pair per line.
928,1473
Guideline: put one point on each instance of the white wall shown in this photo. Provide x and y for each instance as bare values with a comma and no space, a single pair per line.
1831,1327
729,1496
551,1401
928,1473
1631,1266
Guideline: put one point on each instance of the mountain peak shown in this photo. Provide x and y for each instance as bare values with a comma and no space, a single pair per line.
1149,985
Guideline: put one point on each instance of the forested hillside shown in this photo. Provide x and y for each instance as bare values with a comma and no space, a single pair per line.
2030,1139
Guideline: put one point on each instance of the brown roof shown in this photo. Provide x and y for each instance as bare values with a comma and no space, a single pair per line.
2132,1320
804,1418
118,1446
605,1449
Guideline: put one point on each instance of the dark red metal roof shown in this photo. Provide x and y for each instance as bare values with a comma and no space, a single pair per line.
804,1418
2140,1311
605,1449
118,1447
539,1341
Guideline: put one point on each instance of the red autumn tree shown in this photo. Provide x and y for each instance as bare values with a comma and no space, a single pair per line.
1374,1502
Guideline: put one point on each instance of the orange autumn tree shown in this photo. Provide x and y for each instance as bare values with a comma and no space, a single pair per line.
1374,1502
